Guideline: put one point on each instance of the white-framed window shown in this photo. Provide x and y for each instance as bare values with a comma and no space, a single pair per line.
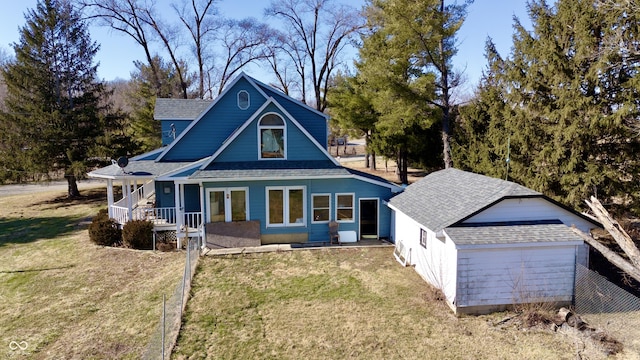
271,137
286,206
321,208
243,100
345,207
423,238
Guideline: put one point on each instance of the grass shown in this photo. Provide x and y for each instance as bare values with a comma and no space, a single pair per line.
62,297
340,303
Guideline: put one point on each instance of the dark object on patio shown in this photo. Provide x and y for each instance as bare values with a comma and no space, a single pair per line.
333,232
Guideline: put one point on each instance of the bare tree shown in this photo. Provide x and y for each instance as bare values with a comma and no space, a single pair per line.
125,16
201,25
319,31
242,42
169,35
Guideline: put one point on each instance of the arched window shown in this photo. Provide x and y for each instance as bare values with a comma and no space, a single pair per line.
271,130
243,100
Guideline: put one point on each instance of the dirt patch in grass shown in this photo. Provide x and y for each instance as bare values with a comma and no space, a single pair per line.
341,303
63,297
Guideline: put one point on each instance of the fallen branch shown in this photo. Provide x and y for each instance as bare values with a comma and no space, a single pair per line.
612,256
617,232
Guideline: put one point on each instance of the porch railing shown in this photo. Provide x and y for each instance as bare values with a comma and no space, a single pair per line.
158,216
142,192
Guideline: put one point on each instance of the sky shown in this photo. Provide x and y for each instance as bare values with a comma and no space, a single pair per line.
486,18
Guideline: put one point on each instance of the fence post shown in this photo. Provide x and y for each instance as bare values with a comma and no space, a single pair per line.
164,321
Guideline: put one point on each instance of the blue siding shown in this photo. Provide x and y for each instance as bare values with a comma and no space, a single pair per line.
167,136
313,122
162,199
245,146
192,198
217,125
316,232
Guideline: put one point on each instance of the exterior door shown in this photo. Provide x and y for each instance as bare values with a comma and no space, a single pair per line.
227,204
369,218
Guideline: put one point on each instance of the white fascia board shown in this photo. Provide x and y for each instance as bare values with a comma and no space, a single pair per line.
235,134
305,132
394,188
148,153
297,102
168,176
203,113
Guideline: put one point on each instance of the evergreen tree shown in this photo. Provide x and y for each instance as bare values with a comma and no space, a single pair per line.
351,108
148,83
53,121
571,103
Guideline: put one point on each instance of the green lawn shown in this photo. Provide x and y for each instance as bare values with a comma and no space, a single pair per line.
337,304
62,297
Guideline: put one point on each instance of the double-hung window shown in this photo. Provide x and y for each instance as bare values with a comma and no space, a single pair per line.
321,205
345,207
286,206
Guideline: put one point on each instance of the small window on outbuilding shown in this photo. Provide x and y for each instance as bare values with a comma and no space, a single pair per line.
423,238
243,100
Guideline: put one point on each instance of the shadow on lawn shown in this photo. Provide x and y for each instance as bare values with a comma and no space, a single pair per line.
26,230
87,197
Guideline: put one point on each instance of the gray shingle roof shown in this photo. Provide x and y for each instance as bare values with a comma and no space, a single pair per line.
143,168
270,169
179,109
445,197
515,234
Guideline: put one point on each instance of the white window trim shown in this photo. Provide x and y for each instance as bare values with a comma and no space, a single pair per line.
226,190
248,99
284,135
285,207
353,207
313,220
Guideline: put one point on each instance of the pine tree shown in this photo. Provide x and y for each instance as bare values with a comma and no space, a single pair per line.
53,119
571,102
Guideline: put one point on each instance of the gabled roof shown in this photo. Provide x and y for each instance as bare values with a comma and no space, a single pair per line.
290,118
137,168
207,108
445,197
179,109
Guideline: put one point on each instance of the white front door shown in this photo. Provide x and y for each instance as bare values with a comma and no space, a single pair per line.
227,204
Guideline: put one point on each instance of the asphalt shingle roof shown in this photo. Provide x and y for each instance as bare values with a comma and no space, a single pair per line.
445,197
179,109
142,168
271,169
515,234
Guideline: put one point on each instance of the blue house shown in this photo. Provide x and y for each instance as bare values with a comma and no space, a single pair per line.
250,167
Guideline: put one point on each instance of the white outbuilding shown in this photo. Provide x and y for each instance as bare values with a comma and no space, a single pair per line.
487,243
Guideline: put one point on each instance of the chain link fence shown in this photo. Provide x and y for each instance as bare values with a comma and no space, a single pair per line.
606,306
164,339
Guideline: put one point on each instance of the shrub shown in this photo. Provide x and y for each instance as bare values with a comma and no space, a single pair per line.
103,230
138,234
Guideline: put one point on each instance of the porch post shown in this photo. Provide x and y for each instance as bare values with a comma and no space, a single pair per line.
179,216
124,189
201,225
110,197
129,205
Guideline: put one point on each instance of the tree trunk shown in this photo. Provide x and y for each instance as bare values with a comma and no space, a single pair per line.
613,257
366,160
617,232
72,186
373,160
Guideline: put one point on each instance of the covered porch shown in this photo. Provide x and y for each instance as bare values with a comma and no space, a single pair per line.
140,199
